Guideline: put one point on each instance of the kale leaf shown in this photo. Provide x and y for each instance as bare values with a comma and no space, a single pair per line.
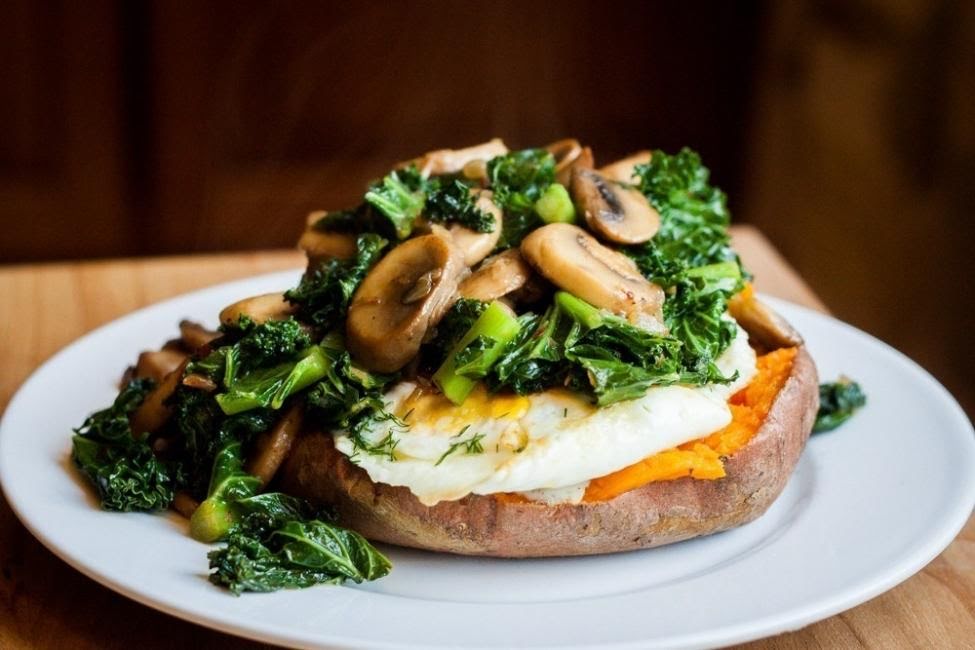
324,292
838,401
453,201
204,429
122,467
213,519
351,398
256,346
280,543
576,345
452,327
694,218
691,258
518,179
399,196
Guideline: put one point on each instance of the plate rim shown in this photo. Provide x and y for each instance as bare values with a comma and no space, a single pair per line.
230,623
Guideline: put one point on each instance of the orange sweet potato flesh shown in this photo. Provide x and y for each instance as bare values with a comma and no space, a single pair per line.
702,459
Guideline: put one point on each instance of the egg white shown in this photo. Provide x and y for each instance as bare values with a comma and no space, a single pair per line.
546,446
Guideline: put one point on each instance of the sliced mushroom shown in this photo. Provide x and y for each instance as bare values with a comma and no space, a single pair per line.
453,161
624,170
403,296
272,447
764,326
615,212
194,336
156,365
497,276
573,260
569,155
199,382
475,245
322,245
153,413
260,309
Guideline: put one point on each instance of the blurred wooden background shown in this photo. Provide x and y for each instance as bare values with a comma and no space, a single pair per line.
845,130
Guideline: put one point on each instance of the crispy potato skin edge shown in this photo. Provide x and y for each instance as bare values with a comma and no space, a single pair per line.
656,514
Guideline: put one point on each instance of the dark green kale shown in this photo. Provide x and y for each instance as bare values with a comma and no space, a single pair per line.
691,258
119,462
295,554
452,201
204,429
694,314
452,327
838,401
213,519
399,196
351,399
251,346
324,292
270,387
576,345
694,218
518,179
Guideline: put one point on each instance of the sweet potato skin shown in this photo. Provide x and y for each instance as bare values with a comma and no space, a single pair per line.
659,513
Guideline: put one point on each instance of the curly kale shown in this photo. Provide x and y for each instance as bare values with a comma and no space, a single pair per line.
518,179
453,201
399,196
280,542
324,292
691,258
694,218
119,462
350,398
576,345
451,328
204,429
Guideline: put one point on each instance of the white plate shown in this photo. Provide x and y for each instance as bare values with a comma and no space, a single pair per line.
868,506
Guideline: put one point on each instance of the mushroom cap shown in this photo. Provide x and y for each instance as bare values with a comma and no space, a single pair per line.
403,296
616,212
569,155
575,261
452,161
260,309
624,169
496,277
474,245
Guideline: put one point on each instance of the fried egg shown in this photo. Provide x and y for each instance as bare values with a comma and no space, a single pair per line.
546,446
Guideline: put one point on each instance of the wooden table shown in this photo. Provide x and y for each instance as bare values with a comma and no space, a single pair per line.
45,604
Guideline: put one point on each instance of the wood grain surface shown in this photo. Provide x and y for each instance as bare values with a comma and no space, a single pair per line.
47,605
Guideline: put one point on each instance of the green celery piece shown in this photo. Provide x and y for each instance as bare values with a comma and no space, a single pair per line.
579,310
498,327
555,206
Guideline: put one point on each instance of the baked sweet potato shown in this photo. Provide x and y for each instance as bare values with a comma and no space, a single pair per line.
658,513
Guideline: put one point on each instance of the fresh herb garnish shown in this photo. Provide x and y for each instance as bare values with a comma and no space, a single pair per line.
471,446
